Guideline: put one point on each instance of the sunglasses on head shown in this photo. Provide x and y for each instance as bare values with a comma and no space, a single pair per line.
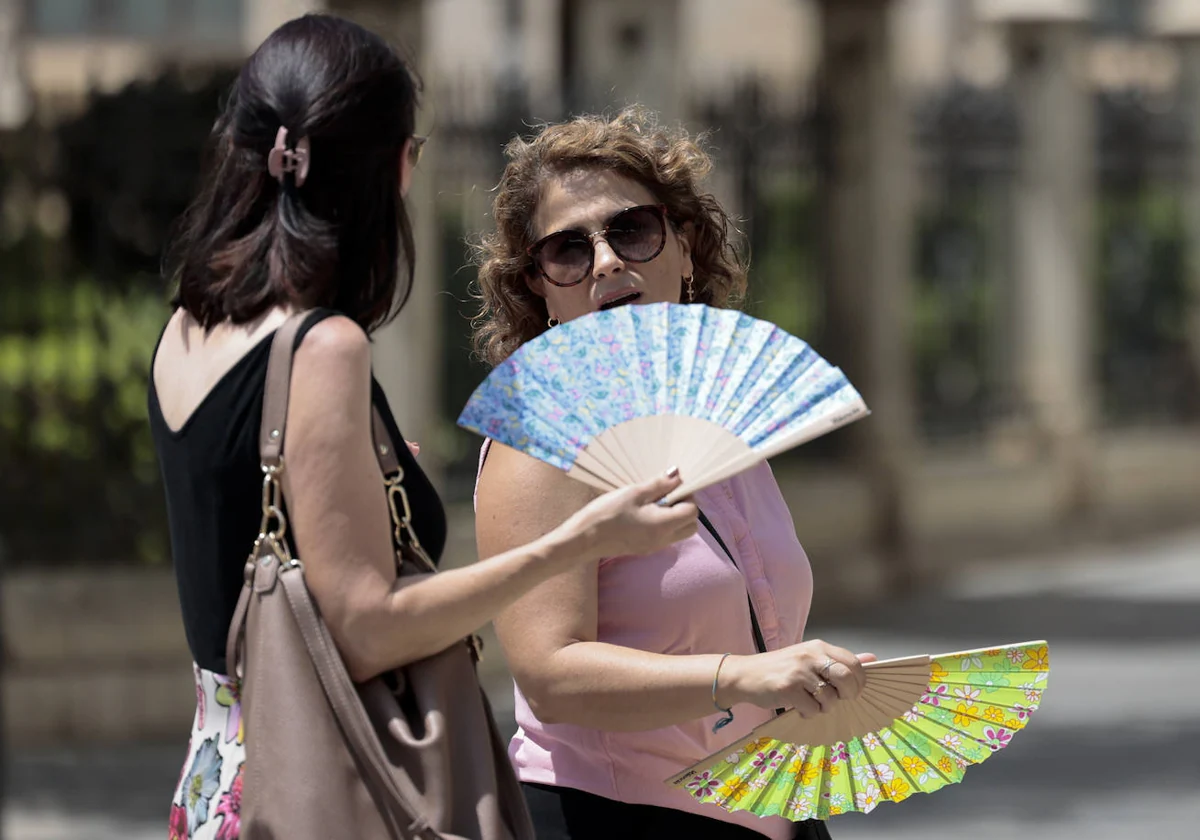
636,234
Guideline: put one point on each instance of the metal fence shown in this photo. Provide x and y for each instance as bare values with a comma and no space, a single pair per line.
769,158
1143,256
74,345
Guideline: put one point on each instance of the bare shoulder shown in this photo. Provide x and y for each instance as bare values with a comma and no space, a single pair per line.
331,379
334,356
515,487
177,325
171,346
508,472
336,341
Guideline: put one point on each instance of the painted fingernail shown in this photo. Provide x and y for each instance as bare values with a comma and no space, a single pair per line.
673,472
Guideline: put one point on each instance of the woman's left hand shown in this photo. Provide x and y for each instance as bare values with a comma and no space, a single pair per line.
810,677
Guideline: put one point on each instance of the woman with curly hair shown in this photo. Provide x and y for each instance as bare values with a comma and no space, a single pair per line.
626,667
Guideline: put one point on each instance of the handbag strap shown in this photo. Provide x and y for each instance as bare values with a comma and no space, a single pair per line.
274,427
759,641
347,708
275,404
275,394
270,453
330,669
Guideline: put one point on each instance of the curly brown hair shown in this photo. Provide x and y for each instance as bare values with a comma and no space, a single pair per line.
667,162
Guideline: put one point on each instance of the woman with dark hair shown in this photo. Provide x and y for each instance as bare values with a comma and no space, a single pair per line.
629,670
302,209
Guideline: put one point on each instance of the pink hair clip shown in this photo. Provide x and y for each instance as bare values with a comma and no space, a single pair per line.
281,159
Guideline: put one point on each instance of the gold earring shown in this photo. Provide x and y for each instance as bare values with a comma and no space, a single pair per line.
552,322
691,291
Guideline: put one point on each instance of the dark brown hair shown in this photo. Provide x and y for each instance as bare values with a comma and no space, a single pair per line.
669,163
248,242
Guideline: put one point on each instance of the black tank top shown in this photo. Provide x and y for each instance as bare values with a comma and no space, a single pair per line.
213,484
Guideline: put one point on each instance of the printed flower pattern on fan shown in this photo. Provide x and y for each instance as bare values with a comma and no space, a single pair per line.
808,773
703,784
964,714
976,702
935,695
734,790
769,760
896,789
866,799
559,391
1036,659
966,693
997,737
916,768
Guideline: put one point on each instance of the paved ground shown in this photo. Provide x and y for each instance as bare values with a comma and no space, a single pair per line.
1113,753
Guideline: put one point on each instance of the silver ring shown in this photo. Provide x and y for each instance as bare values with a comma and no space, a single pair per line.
824,670
821,686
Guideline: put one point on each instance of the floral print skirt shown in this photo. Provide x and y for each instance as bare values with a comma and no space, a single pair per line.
209,795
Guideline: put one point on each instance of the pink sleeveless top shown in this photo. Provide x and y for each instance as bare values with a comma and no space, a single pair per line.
687,599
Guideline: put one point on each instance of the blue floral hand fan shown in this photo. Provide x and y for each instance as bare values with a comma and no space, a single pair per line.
619,396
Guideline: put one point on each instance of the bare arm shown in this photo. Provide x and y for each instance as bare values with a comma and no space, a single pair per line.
550,639
342,528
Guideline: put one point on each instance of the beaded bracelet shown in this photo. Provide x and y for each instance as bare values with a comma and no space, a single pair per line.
727,712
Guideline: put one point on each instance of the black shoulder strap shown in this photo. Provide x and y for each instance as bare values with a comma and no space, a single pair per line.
759,642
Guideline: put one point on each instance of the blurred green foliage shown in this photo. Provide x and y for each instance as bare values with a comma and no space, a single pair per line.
80,480
784,284
87,206
461,372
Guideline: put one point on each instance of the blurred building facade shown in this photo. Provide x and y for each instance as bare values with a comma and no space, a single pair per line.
986,212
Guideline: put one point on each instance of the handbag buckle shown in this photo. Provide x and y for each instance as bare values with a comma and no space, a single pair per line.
401,512
272,503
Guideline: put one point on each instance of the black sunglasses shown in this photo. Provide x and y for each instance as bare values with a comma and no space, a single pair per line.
636,234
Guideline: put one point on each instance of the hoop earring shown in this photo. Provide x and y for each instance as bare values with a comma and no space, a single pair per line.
552,322
689,282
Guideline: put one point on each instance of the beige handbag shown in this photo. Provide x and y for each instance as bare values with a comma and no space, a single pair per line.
413,753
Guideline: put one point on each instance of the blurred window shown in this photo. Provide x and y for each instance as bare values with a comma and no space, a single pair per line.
62,17
205,20
1118,17
216,18
138,17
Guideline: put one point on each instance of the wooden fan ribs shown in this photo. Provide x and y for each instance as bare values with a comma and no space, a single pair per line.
916,727
819,424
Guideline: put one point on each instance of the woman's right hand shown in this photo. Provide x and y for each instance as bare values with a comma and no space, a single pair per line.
792,676
629,521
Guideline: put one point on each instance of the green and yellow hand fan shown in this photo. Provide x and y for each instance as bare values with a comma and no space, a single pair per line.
918,724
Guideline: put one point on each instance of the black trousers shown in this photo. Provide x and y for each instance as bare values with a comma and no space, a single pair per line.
561,813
